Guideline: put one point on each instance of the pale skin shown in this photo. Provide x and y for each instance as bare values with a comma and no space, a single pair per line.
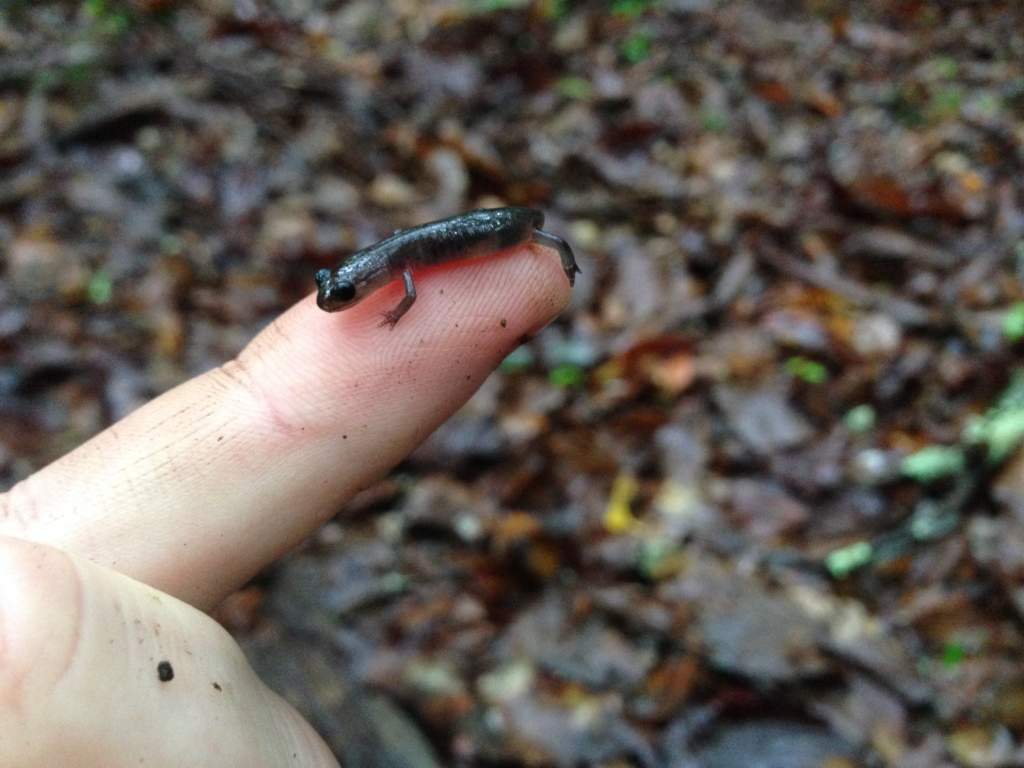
110,556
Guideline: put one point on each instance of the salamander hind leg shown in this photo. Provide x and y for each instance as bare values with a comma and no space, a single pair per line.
564,252
391,317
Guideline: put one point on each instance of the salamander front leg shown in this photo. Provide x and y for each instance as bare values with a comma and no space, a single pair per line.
564,252
393,316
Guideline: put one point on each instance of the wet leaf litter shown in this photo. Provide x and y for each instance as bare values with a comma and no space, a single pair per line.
759,487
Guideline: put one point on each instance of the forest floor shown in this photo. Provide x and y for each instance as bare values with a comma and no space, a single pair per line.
754,500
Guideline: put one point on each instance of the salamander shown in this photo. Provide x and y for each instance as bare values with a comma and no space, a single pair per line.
467,235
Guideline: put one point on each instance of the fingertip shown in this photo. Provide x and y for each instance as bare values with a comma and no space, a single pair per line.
467,317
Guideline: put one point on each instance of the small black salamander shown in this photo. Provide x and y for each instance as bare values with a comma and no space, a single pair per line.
477,233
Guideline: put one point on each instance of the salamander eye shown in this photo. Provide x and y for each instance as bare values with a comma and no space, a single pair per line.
344,291
322,276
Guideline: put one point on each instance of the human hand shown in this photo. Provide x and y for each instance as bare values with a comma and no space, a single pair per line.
110,555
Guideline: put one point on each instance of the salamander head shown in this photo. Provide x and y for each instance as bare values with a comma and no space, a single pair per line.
361,274
335,291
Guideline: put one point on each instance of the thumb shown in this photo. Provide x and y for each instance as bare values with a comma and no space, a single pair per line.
97,669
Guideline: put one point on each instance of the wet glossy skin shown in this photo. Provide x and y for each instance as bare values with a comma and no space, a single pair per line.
476,233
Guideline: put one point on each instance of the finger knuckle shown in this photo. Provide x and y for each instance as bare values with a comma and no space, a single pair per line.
18,508
244,378
40,624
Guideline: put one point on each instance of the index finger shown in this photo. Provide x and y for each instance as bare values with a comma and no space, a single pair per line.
198,489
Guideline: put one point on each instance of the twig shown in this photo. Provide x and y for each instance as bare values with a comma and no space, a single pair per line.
907,312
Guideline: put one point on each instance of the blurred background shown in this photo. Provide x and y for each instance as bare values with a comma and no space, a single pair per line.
754,500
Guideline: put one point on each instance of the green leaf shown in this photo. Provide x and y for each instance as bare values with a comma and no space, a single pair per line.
1005,434
636,47
117,22
100,288
658,558
1013,322
953,654
1001,429
567,376
945,102
807,370
95,8
492,6
713,122
860,418
555,10
844,561
630,8
933,463
573,87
